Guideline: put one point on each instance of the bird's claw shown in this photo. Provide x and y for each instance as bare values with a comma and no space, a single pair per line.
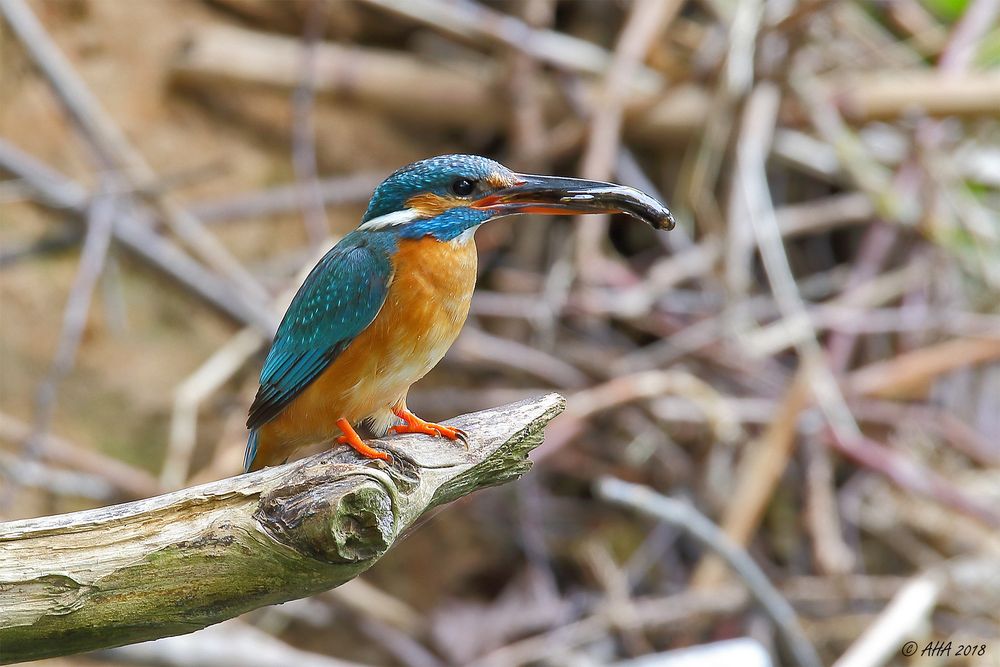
414,424
435,430
350,437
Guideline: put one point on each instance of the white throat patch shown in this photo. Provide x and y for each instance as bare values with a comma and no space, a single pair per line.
394,219
466,236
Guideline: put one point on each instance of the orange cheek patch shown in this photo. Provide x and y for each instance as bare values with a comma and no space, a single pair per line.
430,205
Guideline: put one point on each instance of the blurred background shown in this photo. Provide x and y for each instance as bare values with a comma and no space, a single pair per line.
810,358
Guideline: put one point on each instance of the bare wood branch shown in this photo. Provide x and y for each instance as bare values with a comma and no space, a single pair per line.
741,517
27,472
212,374
278,199
100,224
304,127
179,562
646,21
477,23
134,230
113,147
373,77
757,477
914,371
683,515
222,645
678,610
128,481
907,473
382,80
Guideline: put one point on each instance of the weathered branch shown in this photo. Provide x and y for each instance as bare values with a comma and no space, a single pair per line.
181,561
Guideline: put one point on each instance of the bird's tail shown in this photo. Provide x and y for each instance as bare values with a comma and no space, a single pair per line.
252,442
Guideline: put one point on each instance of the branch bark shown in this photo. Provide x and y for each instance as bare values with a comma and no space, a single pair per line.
179,562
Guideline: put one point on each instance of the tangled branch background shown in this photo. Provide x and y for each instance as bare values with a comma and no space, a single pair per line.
810,358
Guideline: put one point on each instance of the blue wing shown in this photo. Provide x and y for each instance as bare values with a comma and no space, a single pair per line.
338,300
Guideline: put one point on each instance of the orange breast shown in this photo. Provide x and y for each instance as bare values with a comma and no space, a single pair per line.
426,306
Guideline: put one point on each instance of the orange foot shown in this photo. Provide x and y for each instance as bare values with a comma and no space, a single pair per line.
352,438
414,424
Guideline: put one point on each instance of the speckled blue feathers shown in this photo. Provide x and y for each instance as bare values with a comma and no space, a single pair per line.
338,300
432,175
447,225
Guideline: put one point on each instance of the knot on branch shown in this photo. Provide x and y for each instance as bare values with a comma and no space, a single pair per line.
364,527
346,520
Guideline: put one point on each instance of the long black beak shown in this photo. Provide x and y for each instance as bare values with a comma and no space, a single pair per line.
553,195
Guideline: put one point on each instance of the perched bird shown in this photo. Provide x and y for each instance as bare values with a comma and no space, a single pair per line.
382,307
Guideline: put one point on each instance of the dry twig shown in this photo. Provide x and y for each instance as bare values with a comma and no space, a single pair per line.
686,517
113,147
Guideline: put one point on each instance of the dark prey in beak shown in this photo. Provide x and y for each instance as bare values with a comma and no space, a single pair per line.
552,195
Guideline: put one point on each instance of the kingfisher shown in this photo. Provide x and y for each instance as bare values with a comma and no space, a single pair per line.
382,307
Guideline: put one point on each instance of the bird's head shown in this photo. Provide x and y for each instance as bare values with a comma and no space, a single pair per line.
449,195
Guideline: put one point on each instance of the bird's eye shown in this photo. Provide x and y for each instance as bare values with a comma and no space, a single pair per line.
463,187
